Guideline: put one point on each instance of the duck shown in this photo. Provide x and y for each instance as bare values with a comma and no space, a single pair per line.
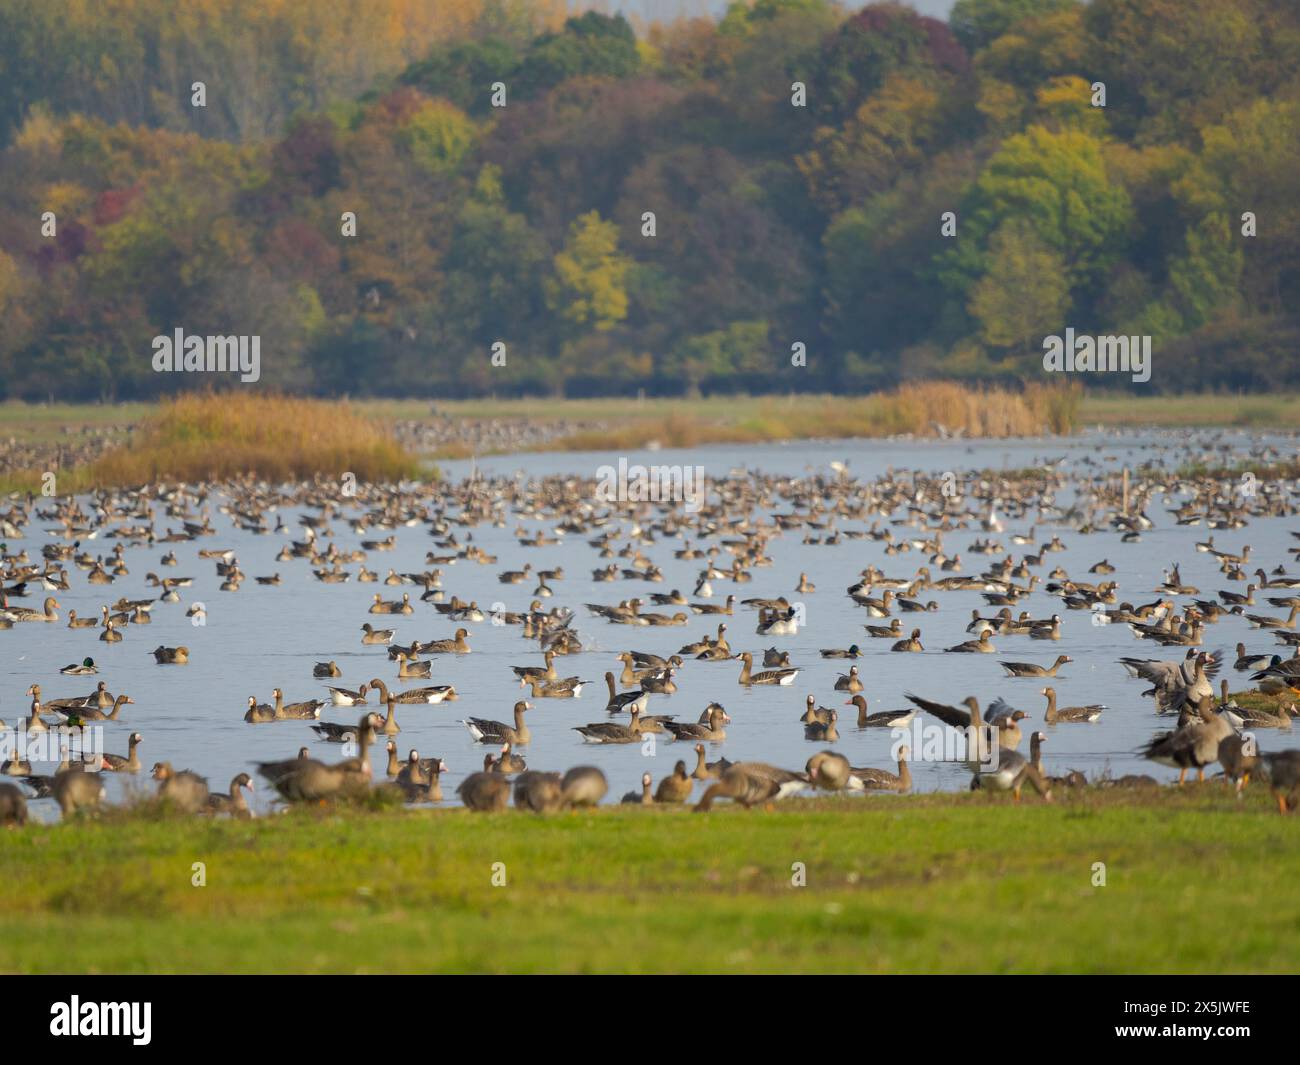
712,729
675,788
84,668
849,682
882,719
1030,669
853,651
232,802
1068,714
487,731
783,677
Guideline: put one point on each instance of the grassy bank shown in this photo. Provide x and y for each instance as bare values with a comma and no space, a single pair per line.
918,883
277,438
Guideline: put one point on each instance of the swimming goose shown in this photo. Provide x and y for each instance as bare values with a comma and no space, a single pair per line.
822,731
22,613
612,732
432,695
1030,669
409,669
911,644
232,802
326,669
346,696
373,635
712,730
708,770
308,710
883,719
981,646
508,762
90,712
75,622
675,788
849,682
1069,713
544,672
772,676
456,645
886,632
618,702
171,656
187,791
259,713
487,731
569,688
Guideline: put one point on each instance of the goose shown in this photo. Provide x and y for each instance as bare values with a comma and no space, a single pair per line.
308,710
342,732
883,719
830,771
645,796
883,779
75,792
911,644
744,785
569,688
100,697
232,802
1261,621
185,790
849,682
432,695
783,677
346,696
1010,772
95,713
171,656
776,625
1191,746
887,632
708,770
326,669
711,730
775,659
541,793
1250,663
13,806
661,685
273,771
544,673
110,633
373,635
822,731
409,669
675,788
486,731
1067,714
1238,760
508,762
1284,778
583,785
813,712
981,646
75,622
50,612
1050,630
85,668
618,702
456,645
484,792
1030,669
259,713
612,732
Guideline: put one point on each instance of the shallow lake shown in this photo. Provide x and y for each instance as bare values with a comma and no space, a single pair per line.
262,637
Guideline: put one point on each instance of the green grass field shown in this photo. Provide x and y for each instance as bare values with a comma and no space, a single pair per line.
1195,882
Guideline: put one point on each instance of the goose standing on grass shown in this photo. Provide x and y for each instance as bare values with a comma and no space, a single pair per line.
583,785
487,731
782,677
187,791
1065,714
747,784
1030,669
484,792
13,806
1010,772
1191,746
76,791
883,779
1284,778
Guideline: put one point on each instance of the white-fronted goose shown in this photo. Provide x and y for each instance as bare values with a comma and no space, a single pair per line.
1191,746
1010,772
1284,778
187,791
675,788
782,677
373,635
822,731
13,806
124,763
620,701
484,792
456,645
309,710
171,656
409,669
849,682
233,801
883,779
611,731
541,793
346,696
984,645
708,770
75,791
1030,669
882,719
713,731
644,797
487,731
584,785
1066,714
911,644
326,669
